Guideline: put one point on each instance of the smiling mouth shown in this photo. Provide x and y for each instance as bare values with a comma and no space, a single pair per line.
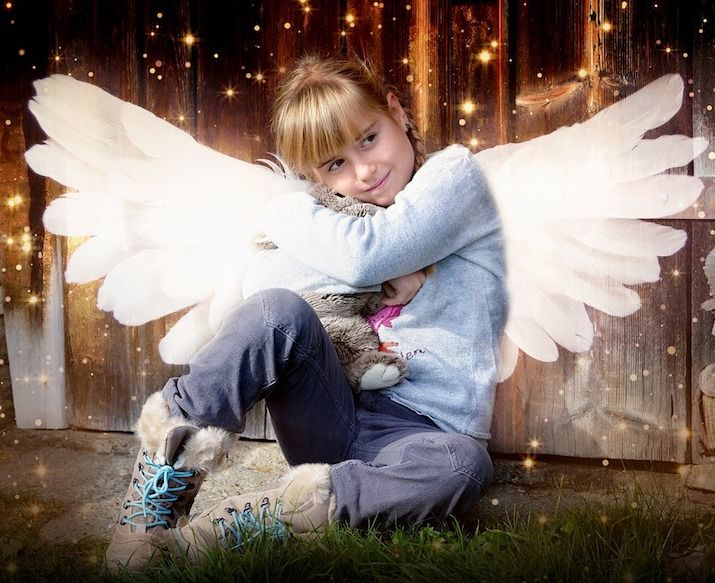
379,184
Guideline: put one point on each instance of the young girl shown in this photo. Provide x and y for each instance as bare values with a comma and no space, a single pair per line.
408,453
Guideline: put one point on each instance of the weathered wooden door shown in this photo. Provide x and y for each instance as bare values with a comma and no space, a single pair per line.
477,73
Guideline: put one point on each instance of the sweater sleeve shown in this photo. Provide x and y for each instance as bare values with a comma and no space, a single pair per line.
275,268
445,207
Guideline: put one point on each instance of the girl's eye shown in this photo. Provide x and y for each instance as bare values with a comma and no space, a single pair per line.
336,165
369,139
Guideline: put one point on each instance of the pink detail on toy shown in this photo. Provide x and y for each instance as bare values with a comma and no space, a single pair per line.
387,346
384,317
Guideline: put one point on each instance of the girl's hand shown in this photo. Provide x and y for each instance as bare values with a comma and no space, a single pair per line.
401,290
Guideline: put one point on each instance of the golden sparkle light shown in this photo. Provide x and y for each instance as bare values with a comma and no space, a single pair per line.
474,142
528,463
494,44
33,300
485,56
229,92
350,19
14,201
189,39
582,73
606,27
468,106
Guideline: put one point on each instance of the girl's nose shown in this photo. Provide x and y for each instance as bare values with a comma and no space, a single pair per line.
364,170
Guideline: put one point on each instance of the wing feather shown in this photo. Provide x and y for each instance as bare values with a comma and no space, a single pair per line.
170,220
571,204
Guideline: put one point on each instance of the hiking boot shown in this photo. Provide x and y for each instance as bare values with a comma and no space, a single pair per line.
174,459
302,505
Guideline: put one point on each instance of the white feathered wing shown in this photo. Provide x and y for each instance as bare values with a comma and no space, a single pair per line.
570,203
169,221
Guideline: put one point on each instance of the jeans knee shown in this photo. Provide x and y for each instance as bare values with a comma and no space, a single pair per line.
285,308
470,462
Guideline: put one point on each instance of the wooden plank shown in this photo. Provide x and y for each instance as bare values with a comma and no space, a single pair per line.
702,347
427,39
702,92
478,88
34,341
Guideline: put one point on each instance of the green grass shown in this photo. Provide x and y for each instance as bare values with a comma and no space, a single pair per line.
636,536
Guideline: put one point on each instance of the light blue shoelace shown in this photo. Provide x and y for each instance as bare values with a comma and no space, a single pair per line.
246,525
159,489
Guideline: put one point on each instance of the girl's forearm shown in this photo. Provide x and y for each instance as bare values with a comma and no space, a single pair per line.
444,208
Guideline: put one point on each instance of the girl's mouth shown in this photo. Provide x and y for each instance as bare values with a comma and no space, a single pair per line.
379,184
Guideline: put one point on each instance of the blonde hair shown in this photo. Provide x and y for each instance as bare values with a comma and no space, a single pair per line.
314,111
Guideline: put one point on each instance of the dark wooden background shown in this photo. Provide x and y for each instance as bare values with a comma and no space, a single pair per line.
529,66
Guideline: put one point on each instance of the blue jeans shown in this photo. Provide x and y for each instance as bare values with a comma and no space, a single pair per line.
388,463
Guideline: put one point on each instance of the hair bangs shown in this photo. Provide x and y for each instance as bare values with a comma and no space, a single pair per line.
322,122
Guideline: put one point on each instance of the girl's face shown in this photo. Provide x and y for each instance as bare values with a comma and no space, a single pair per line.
380,162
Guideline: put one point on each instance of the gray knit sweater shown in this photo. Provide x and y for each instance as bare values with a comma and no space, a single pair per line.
450,331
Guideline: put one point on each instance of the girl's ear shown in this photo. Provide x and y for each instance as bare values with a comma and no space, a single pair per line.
396,111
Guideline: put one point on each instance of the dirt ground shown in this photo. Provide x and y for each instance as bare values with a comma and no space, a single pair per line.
78,478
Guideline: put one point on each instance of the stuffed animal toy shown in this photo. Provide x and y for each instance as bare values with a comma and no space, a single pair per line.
351,320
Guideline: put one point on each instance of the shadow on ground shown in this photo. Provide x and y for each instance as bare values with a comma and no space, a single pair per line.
66,486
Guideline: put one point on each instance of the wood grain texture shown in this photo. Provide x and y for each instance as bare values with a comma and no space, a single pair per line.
703,98
640,371
477,104
429,86
702,346
34,333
